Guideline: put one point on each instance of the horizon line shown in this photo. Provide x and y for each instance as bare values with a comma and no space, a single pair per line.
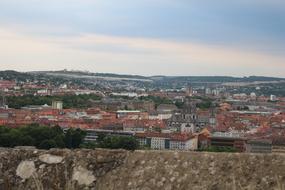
157,75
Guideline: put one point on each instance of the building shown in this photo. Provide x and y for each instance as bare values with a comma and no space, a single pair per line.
57,105
273,98
44,92
143,105
154,115
202,120
189,91
205,119
187,128
159,143
167,141
204,139
154,140
208,91
92,134
278,149
131,114
183,142
253,96
184,121
126,94
5,84
228,140
259,146
166,108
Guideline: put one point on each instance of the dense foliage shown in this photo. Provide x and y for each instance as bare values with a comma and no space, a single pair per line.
179,104
13,75
41,137
219,149
84,73
157,100
113,142
69,101
205,103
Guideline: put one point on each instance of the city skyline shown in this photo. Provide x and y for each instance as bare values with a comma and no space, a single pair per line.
145,37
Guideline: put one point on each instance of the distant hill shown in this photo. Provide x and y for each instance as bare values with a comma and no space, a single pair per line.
86,73
22,76
216,79
14,75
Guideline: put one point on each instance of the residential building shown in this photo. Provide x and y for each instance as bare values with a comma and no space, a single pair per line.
184,120
57,105
172,141
228,140
259,146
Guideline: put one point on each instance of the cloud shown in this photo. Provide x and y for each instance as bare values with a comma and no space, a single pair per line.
207,21
147,56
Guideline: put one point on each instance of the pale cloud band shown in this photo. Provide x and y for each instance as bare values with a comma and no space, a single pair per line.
146,56
181,37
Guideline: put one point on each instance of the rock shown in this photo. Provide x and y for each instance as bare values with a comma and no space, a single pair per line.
50,159
122,170
172,179
83,176
26,169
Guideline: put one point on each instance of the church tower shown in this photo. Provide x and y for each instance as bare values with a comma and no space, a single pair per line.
212,118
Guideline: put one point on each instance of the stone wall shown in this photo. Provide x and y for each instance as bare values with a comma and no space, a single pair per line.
147,170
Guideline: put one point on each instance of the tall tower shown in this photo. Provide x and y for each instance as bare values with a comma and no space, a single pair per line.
212,118
189,91
189,111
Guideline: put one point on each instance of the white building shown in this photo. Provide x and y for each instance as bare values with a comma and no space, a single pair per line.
253,95
127,94
208,91
142,142
57,105
161,116
162,141
187,128
273,98
184,144
158,143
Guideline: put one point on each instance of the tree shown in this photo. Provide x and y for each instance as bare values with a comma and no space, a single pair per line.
101,137
5,140
179,104
118,142
157,129
47,144
74,137
42,137
59,140
68,139
219,149
26,141
4,129
128,143
69,101
89,145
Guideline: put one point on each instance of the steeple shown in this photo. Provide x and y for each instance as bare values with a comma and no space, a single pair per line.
189,111
212,119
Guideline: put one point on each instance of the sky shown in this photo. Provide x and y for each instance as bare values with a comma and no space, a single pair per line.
145,37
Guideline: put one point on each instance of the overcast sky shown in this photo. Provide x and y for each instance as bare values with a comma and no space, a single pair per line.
147,37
